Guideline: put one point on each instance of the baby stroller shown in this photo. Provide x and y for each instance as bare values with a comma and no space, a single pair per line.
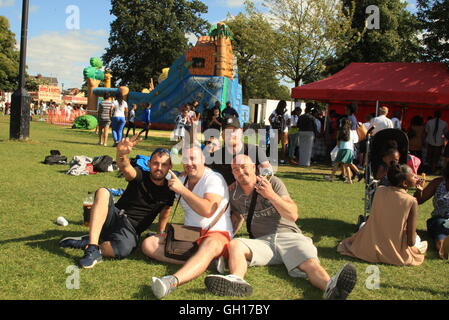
375,148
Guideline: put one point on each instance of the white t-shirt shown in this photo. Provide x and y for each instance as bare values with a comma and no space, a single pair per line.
211,182
119,110
286,118
381,123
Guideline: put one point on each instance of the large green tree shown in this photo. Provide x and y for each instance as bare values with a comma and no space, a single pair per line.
256,65
434,16
9,57
396,39
149,35
308,33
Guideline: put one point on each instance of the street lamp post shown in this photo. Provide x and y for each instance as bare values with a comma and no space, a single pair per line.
20,102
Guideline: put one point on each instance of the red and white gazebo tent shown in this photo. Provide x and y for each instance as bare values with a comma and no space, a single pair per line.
414,88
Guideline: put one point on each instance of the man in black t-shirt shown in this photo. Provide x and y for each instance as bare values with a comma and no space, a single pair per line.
119,225
221,160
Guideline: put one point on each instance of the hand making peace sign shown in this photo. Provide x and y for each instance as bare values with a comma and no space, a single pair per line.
126,145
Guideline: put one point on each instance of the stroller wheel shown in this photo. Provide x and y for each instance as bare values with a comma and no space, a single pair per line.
361,219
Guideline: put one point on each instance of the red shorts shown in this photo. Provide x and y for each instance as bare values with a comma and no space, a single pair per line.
205,234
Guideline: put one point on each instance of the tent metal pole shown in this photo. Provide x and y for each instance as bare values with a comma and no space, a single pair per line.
377,108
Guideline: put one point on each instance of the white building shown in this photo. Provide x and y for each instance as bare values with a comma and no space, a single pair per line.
261,109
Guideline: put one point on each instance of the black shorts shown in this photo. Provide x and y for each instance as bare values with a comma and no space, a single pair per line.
119,232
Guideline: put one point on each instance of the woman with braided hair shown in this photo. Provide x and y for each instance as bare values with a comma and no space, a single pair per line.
389,236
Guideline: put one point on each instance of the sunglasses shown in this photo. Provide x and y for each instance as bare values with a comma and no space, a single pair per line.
161,150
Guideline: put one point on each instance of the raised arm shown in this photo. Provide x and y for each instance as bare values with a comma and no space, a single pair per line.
124,148
286,207
205,207
423,194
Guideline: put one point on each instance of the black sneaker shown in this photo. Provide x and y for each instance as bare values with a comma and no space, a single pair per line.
341,285
92,256
229,285
75,242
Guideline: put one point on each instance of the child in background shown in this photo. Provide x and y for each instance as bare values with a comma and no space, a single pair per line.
345,151
183,123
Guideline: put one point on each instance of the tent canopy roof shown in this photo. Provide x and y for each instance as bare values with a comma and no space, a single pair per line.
404,83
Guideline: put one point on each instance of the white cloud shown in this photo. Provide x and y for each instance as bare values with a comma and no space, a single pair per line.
65,54
34,9
7,3
230,3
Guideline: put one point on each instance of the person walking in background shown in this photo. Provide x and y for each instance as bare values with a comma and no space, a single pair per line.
307,131
131,120
104,119
345,152
381,122
119,110
146,120
280,121
435,131
293,136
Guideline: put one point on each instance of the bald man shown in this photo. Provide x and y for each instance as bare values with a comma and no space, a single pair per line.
277,238
203,198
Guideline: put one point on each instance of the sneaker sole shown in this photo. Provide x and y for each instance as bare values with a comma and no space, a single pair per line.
223,287
346,282
92,265
158,288
70,238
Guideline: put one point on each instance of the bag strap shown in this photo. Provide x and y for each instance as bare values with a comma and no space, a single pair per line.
249,218
213,223
179,198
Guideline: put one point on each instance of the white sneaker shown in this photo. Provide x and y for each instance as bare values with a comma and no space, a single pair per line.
229,285
163,286
341,285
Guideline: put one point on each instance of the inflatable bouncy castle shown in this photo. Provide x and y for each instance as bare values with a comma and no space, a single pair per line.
206,73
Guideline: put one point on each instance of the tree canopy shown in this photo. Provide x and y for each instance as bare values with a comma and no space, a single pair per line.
149,35
9,57
256,66
396,40
434,17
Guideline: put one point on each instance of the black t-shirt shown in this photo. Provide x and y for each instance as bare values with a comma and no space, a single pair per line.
220,161
143,200
306,122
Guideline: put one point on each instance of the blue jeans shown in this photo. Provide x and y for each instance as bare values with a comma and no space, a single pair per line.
118,123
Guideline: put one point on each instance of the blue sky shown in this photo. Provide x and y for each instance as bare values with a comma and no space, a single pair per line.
54,50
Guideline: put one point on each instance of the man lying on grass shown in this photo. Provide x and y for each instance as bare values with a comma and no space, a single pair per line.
119,225
277,239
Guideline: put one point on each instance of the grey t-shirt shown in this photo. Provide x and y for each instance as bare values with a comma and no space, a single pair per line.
266,219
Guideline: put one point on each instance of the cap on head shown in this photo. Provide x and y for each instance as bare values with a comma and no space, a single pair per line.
231,122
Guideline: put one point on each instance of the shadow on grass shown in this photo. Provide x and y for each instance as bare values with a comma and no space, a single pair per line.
321,227
47,242
308,176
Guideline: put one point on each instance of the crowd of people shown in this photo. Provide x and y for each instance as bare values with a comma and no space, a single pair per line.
219,196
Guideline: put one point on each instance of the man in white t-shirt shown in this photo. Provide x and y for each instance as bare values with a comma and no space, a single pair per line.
204,197
381,122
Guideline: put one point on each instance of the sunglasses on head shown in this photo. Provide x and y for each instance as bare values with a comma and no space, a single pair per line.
161,150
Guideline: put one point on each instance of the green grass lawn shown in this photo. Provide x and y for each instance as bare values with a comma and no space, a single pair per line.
33,195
